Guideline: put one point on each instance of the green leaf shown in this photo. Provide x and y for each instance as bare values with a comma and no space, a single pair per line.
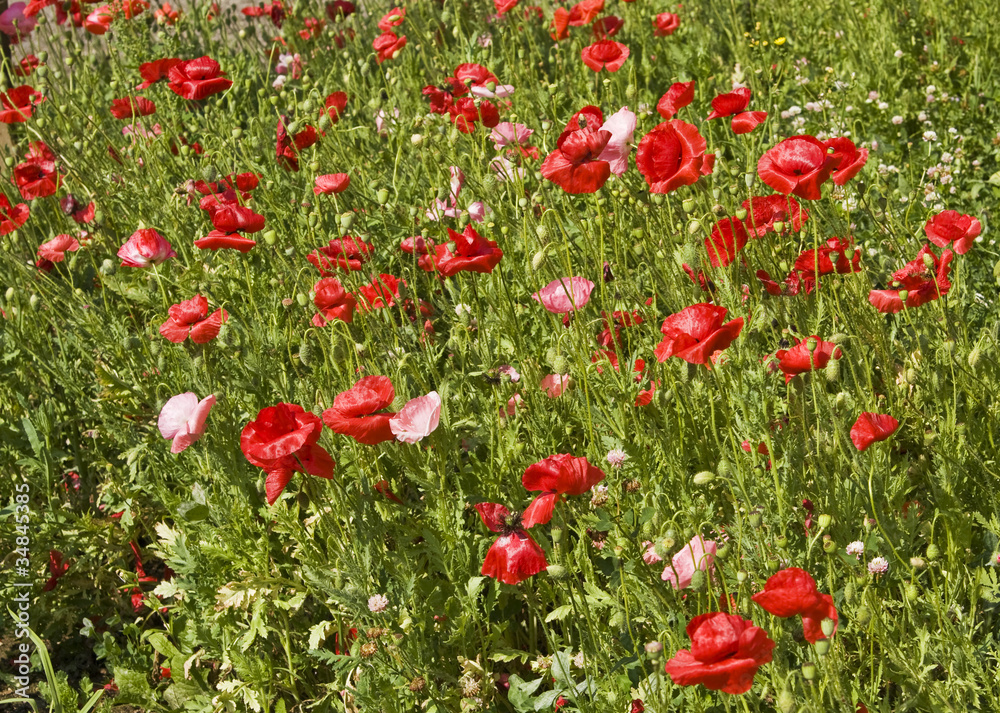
159,641
506,655
192,511
474,586
559,613
32,434
521,693
546,700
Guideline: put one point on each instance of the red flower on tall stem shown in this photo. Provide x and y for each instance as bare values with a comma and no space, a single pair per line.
792,592
191,319
197,78
673,155
557,475
727,239
809,354
37,176
472,253
575,165
358,412
871,428
951,226
765,212
922,280
18,104
798,165
514,556
333,302
676,98
605,54
696,333
735,104
726,651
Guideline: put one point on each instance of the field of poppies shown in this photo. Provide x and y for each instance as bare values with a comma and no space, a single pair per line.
475,355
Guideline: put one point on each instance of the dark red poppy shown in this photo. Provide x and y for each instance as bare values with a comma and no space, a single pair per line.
726,651
791,287
12,217
871,428
922,280
605,54
834,257
699,278
607,27
792,592
191,318
27,66
334,106
472,253
358,413
346,253
695,333
574,165
514,556
287,148
665,24
610,336
951,226
764,211
673,155
339,9
79,212
557,475
282,440
637,706
333,302
810,353
735,104
18,104
197,78
465,112
37,176
676,98
798,165
383,291
850,159
153,72
131,107
727,239
393,18
422,247
237,218
387,45
57,568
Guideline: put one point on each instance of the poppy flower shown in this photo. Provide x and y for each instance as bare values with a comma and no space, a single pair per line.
465,112
12,217
504,6
388,45
514,556
676,98
611,333
735,104
607,27
697,555
237,218
792,592
851,159
645,396
383,291
557,475
951,226
589,117
834,257
576,165
871,428
37,176
79,212
354,412
393,18
673,155
131,107
555,384
197,78
131,8
334,106
222,240
333,302
565,295
665,24
27,66
191,318
472,253
57,568
605,54
55,250
18,104
797,165
809,354
621,126
695,333
166,14
726,651
16,23
156,70
331,183
345,253
339,9
282,440
727,239
182,419
764,211
417,419
145,247
287,148
922,280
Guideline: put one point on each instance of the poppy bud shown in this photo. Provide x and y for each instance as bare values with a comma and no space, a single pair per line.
903,294
912,592
9,161
704,477
654,649
786,702
849,591
772,565
974,356
694,227
933,552
697,580
305,352
863,615
302,299
822,646
808,671
662,548
832,370
556,571
556,534
34,302
382,196
270,237
754,519
107,268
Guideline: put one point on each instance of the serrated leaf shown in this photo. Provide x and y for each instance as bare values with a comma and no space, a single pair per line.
521,693
559,613
507,655
474,586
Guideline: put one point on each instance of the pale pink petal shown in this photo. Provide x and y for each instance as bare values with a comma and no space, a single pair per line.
507,134
695,555
196,423
418,418
457,181
650,556
175,413
555,384
477,211
621,126
565,295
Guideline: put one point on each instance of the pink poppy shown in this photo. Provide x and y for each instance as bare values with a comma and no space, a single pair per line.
182,419
555,384
145,247
55,250
621,126
331,183
565,295
695,555
417,419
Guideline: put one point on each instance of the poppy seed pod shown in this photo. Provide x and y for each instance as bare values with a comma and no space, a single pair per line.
822,647
556,571
829,545
808,671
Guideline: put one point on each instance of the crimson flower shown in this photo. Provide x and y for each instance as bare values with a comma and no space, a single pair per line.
727,239
922,280
344,253
156,70
287,148
230,220
129,107
282,440
833,257
37,176
12,217
334,106
850,159
57,568
197,78
605,54
27,66
388,45
792,592
514,556
951,226
665,24
339,9
696,333
735,104
99,20
76,210
575,165
809,354
676,98
333,302
472,253
354,412
393,18
18,103
191,318
673,155
145,247
331,183
504,6
383,291
797,165
871,428
764,211
557,475
726,651
421,246
465,113
607,27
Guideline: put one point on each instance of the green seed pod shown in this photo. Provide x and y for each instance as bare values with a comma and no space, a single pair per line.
822,647
722,552
781,541
270,237
827,626
694,227
825,520
302,298
742,576
382,196
808,671
556,534
741,214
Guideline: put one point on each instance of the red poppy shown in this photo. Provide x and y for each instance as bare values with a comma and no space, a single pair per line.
344,253
237,218
798,165
18,103
99,20
764,211
607,27
287,148
465,112
560,24
55,250
354,411
504,6
695,333
387,45
834,257
334,106
12,217
575,165
221,240
514,556
282,440
197,78
610,336
167,15
393,18
726,651
637,706
810,353
673,155
331,183
665,24
792,592
129,107
472,253
422,247
557,475
735,104
951,226
382,487
605,54
339,9
37,176
333,302
850,159
791,287
871,428
153,72
191,318
728,238
57,568
383,291
922,280
676,98
589,117
27,66
79,212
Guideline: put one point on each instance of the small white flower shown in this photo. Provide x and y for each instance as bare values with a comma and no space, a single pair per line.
898,54
878,565
617,457
930,136
856,548
462,308
882,106
922,116
897,120
378,603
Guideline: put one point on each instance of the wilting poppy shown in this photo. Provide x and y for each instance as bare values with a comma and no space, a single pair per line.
792,592
565,295
922,280
607,27
697,555
727,239
871,428
798,165
605,54
673,155
695,333
191,318
472,253
197,78
726,651
763,212
557,475
333,302
417,419
676,98
57,568
55,250
809,354
287,148
951,226
182,419
145,247
514,556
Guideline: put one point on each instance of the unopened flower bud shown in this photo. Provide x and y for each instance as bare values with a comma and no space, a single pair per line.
654,649
688,205
556,571
974,356
697,580
933,552
704,477
694,227
382,196
270,237
302,299
912,592
825,520
538,259
832,370
786,702
828,626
